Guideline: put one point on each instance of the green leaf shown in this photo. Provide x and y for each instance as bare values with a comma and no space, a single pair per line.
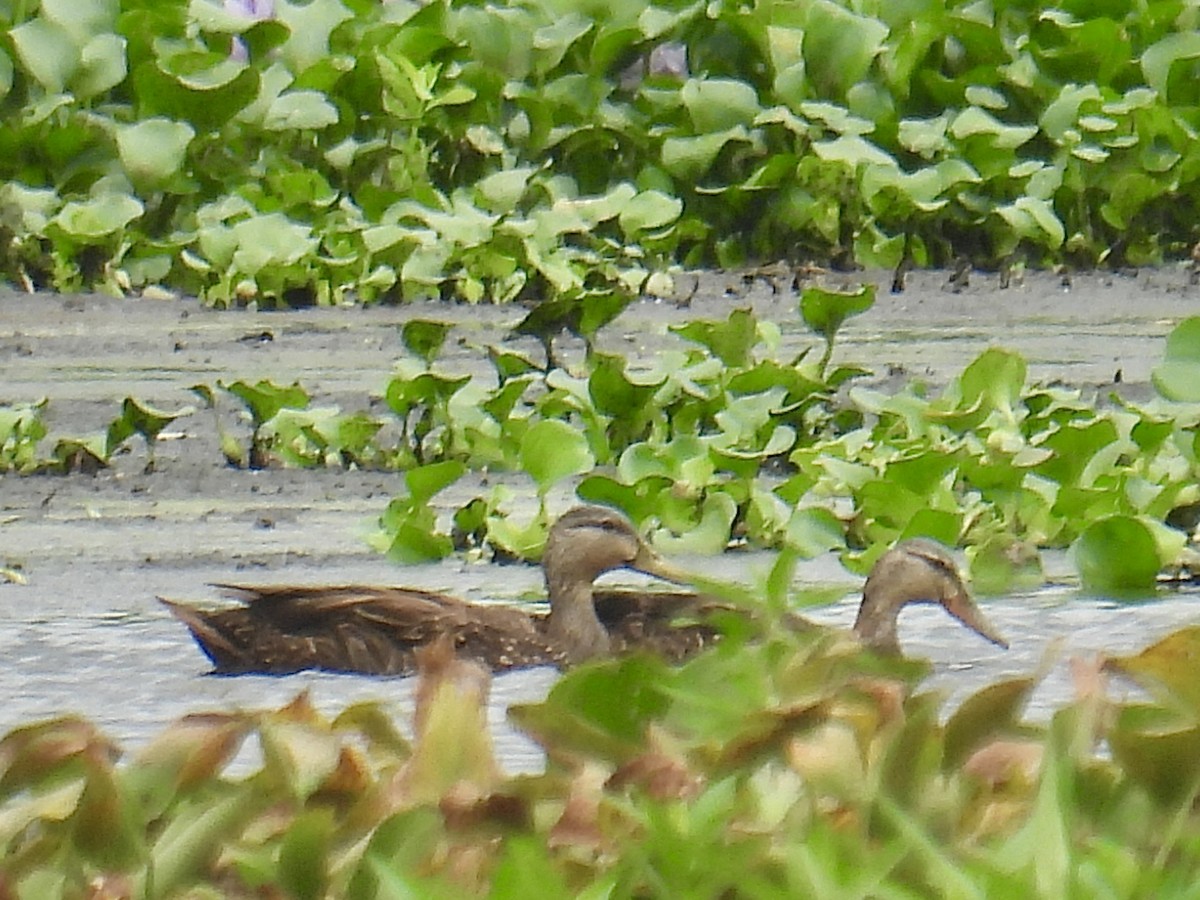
304,857
825,311
731,341
300,110
47,52
690,158
649,210
1169,669
424,338
265,399
425,481
601,709
813,530
137,418
311,25
719,104
1159,749
269,241
974,121
101,66
1158,58
840,46
986,714
551,451
154,149
1117,556
99,216
1178,377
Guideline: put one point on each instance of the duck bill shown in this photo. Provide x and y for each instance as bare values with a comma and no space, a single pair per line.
963,608
651,563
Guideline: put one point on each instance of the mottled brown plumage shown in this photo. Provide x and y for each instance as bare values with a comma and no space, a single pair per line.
375,630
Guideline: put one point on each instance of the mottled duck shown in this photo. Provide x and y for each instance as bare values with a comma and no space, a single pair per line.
280,629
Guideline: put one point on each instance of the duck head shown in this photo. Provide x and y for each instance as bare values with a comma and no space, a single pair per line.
582,545
915,571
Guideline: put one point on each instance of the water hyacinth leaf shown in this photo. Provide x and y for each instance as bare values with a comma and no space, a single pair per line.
601,709
500,192
852,150
153,150
1178,377
99,216
552,450
994,381
813,530
825,311
1004,563
524,869
107,830
613,392
311,25
1034,219
1157,59
730,341
974,121
137,418
1117,556
190,840
414,542
689,158
840,46
186,756
1168,669
38,751
299,755
299,110
270,240
649,210
102,66
81,454
46,51
510,365
708,536
424,338
265,399
719,104
424,482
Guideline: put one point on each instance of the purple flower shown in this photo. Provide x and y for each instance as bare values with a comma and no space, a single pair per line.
257,10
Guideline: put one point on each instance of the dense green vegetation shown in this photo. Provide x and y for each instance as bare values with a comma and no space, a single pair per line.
358,149
721,441
794,766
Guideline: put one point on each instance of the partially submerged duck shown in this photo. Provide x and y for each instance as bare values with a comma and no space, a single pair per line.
280,629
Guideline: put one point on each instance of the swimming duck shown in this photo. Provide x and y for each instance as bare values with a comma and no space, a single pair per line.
375,630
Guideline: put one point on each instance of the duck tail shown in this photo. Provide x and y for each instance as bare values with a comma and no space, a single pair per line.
205,627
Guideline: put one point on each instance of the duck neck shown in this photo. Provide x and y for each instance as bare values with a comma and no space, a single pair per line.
876,622
572,621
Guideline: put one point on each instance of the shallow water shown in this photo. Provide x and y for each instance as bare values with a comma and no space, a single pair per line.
115,656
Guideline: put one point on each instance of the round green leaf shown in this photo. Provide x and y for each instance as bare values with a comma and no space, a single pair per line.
1117,556
153,150
552,450
47,53
1178,378
649,209
99,216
